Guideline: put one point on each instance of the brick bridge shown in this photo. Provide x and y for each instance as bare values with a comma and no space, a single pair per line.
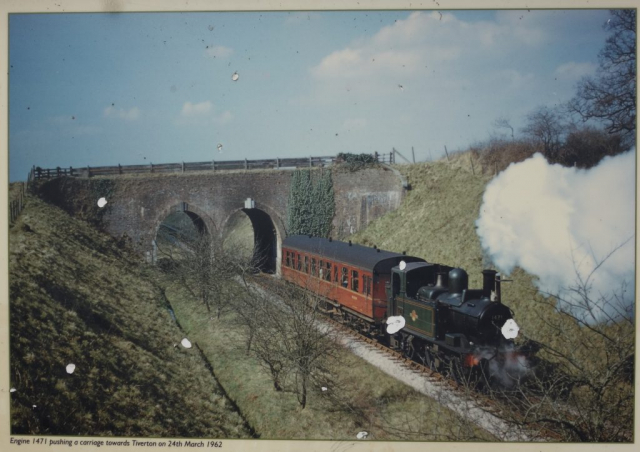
138,204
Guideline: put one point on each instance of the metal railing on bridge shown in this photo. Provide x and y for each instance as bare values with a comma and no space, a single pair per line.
213,165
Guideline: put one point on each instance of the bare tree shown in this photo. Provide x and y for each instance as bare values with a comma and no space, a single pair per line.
581,385
296,350
504,123
206,270
545,128
584,147
610,96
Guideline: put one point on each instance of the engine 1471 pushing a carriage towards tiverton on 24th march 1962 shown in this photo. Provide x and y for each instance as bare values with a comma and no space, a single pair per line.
423,309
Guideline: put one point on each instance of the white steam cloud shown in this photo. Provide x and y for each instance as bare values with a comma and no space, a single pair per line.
559,223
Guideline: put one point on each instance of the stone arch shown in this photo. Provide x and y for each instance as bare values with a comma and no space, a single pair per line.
201,220
268,232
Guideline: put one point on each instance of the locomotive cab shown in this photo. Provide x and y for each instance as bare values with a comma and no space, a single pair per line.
437,305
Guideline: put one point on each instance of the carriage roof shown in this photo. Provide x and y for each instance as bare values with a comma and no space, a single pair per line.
352,254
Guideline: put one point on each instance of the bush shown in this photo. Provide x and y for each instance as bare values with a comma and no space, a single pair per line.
585,147
356,162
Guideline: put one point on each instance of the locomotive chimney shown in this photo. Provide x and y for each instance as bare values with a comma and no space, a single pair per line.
498,292
488,282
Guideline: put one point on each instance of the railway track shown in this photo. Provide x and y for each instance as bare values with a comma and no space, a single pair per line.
423,371
467,403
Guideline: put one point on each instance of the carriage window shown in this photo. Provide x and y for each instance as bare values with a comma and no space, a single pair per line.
306,264
327,273
335,274
288,259
321,269
298,263
354,280
366,284
314,269
345,277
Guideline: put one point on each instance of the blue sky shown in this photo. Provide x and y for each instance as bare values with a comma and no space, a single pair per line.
133,88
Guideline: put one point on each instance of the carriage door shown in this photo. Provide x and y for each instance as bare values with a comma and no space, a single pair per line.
398,292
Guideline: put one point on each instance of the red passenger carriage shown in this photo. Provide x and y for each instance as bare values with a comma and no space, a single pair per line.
352,278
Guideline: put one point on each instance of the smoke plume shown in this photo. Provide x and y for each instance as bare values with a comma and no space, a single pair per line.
560,223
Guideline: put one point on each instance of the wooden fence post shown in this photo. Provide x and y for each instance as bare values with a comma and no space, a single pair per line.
151,164
446,152
472,168
310,162
119,169
277,163
246,164
183,167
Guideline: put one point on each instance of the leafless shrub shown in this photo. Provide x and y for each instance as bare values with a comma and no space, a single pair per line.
283,331
207,271
581,385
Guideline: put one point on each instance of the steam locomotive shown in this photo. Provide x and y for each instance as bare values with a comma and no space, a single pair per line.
423,309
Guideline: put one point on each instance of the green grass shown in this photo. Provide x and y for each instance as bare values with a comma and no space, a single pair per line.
436,221
75,297
386,408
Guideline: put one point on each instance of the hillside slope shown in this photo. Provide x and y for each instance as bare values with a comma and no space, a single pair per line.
76,298
436,221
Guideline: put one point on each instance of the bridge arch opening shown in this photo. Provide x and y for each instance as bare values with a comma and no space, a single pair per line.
178,229
253,234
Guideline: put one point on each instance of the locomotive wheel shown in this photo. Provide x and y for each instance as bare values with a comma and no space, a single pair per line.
428,359
409,349
410,352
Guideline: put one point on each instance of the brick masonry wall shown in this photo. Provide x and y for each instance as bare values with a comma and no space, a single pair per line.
363,196
137,204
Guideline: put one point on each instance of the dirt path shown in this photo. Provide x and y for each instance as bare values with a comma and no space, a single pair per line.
463,406
441,392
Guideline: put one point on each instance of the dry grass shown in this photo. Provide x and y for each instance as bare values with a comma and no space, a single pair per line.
77,298
239,236
380,405
436,221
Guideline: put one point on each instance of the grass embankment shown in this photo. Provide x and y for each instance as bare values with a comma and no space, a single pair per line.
436,221
383,407
239,236
75,297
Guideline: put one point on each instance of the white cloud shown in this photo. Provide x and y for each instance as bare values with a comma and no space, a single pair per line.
202,108
202,113
219,52
223,118
574,71
128,115
427,52
430,49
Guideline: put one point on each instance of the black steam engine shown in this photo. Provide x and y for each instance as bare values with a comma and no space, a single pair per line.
425,310
446,325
